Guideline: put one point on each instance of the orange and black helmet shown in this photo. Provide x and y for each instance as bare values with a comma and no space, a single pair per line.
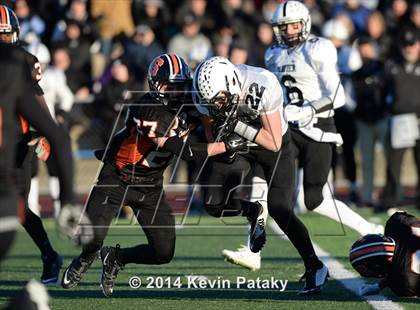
9,22
371,255
169,69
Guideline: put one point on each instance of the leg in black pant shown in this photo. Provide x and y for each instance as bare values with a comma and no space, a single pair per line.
279,169
221,184
32,223
159,228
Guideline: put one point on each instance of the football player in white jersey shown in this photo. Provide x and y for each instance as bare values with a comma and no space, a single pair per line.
248,101
305,66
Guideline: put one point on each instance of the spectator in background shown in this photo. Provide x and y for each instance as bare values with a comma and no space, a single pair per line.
243,21
371,111
238,53
396,17
404,80
140,50
76,82
202,11
348,60
182,43
221,46
77,13
114,18
108,101
264,38
376,30
268,8
78,49
196,55
415,15
28,21
317,10
222,38
155,14
357,12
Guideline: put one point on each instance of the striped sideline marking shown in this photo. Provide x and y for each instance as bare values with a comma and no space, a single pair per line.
348,279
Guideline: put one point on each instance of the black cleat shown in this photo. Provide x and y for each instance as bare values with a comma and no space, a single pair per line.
74,272
110,268
257,236
314,280
51,269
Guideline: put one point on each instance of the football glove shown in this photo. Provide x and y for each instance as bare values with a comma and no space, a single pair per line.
74,224
245,113
42,149
369,289
234,143
303,115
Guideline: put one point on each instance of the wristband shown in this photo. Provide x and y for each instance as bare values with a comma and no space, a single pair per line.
246,131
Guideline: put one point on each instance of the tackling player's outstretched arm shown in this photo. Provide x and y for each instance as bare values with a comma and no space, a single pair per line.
42,121
187,151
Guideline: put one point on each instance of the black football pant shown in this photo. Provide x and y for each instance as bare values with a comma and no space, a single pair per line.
31,222
315,158
279,172
154,215
221,184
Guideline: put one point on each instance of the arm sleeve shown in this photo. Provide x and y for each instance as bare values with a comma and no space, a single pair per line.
196,152
30,109
325,63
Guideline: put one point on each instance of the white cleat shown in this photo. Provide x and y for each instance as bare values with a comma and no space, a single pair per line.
243,257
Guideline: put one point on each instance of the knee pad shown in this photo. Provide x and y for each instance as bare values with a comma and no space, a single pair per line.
313,196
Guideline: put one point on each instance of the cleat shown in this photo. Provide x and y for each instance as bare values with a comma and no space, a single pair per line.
74,272
243,257
257,236
51,269
314,280
110,268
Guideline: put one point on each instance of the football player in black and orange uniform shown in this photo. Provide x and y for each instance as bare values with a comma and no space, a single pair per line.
393,257
17,97
132,174
27,144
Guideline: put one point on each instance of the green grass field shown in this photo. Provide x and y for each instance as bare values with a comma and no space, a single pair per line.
198,252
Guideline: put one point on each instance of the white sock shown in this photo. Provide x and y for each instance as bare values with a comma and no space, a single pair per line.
33,197
341,213
300,198
54,186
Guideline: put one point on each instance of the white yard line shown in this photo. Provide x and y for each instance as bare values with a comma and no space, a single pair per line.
348,279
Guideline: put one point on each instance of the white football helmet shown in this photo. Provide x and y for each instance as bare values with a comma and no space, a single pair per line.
217,78
291,12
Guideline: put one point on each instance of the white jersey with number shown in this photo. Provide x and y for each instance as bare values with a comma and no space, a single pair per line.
308,73
261,91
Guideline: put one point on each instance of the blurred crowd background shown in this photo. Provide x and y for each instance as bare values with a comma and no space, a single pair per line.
95,52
